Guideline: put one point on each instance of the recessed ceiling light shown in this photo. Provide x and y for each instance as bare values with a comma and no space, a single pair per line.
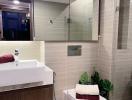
16,2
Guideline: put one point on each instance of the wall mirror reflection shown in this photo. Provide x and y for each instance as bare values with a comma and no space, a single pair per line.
66,20
15,20
84,20
50,18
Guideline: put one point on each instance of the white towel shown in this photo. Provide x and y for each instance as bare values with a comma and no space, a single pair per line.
71,95
87,89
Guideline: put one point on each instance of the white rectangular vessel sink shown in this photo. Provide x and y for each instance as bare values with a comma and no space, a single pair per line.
25,71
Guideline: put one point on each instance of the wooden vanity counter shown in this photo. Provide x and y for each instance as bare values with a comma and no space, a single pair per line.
31,93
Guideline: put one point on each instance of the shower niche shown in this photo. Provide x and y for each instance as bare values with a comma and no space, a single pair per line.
124,23
66,20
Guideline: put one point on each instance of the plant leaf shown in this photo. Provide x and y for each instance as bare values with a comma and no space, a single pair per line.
84,79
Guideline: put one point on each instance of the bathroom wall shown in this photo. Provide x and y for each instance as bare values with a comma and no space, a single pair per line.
106,40
69,69
115,64
123,75
28,49
105,47
123,58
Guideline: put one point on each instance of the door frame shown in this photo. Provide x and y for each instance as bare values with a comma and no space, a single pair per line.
19,9
1,25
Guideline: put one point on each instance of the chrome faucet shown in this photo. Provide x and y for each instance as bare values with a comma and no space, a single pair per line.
16,52
16,56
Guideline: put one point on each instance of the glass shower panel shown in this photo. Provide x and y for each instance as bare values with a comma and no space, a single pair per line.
50,20
81,15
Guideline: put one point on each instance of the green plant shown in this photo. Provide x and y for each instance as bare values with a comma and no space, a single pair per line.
84,79
105,87
95,78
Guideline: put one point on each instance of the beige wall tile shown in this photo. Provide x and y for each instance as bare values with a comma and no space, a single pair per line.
69,69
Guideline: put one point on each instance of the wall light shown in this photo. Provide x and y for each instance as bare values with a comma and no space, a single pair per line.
16,2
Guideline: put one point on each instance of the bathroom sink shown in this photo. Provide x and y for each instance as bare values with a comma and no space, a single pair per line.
19,64
25,71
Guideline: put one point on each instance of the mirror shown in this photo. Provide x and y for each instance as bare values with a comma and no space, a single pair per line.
84,20
61,20
15,20
50,18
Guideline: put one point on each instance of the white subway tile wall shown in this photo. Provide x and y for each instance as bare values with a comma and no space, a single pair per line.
123,62
69,69
106,41
115,64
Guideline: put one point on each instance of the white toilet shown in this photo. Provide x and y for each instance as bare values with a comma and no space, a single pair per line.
71,95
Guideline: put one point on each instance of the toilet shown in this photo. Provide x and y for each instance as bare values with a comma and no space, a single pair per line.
71,95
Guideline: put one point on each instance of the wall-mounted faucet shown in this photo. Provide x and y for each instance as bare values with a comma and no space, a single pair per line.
16,56
16,52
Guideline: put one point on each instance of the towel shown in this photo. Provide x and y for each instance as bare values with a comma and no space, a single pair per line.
87,97
6,58
87,89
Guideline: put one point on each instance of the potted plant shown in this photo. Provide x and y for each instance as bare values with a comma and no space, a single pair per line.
105,86
95,78
85,79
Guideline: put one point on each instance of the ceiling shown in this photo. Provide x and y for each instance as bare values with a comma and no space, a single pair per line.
10,2
60,1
